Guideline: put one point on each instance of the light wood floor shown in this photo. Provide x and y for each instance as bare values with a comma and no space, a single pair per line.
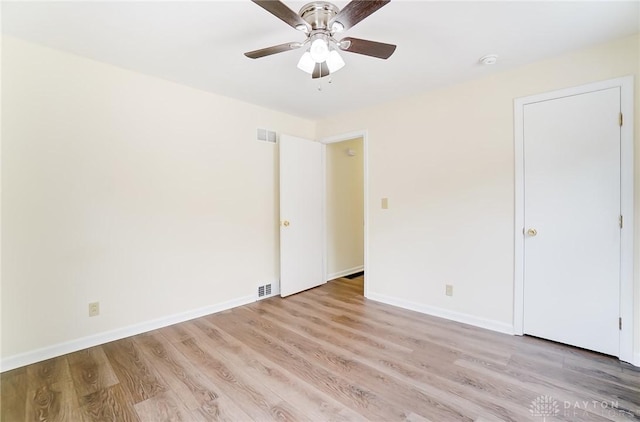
326,354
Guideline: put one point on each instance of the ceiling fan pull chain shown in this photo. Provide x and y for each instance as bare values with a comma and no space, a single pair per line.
320,80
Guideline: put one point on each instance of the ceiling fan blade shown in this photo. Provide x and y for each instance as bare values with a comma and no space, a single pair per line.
281,11
366,47
355,11
320,71
256,54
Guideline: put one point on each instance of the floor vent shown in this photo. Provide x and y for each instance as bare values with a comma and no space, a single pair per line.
264,291
267,136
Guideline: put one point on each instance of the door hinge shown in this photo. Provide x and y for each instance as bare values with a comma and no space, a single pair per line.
620,119
620,323
621,221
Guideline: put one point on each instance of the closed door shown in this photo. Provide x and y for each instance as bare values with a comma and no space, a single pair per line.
572,220
301,215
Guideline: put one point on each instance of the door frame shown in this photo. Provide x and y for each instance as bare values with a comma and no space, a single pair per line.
626,205
365,152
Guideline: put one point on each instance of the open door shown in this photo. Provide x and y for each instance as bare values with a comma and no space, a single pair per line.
301,215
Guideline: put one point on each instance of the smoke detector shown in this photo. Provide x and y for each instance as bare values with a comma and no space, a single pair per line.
489,59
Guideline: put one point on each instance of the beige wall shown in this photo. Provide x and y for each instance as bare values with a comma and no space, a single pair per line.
445,160
153,198
345,208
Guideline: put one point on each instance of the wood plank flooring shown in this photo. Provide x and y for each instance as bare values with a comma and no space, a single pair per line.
326,354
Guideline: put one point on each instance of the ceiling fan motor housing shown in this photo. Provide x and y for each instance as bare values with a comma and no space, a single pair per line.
318,14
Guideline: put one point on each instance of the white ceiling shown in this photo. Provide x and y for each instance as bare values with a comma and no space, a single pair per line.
201,44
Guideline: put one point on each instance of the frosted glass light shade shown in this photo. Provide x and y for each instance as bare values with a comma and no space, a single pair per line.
334,61
306,63
319,50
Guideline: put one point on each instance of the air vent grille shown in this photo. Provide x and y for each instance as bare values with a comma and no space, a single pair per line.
266,135
264,291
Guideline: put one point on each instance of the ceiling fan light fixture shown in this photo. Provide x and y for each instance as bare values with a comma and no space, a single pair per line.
306,63
319,21
319,50
334,61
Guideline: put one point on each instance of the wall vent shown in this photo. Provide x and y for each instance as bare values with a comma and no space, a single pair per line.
264,291
267,136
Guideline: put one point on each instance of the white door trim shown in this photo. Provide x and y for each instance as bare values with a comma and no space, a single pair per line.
365,148
626,195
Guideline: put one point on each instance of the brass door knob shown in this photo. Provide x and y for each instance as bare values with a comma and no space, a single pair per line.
532,232
285,223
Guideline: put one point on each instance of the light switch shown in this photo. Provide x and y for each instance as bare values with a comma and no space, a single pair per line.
385,203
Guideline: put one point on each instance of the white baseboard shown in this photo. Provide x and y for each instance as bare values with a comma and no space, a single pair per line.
344,273
60,349
489,324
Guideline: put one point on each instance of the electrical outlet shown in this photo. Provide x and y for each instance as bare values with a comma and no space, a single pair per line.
94,309
449,290
384,203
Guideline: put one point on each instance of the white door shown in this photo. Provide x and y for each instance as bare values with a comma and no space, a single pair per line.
571,216
301,215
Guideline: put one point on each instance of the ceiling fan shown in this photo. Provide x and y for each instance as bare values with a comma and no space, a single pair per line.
320,21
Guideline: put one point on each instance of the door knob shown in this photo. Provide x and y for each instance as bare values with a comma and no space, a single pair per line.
285,223
532,232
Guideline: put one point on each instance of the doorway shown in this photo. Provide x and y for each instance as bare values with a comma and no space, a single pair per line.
574,217
345,209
